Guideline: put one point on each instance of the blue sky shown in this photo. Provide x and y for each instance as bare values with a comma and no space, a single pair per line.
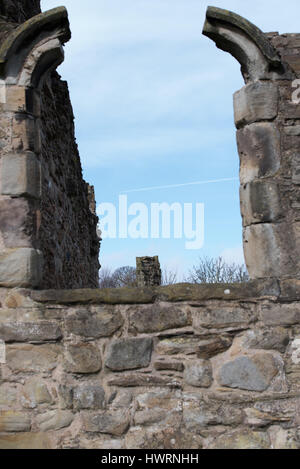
153,104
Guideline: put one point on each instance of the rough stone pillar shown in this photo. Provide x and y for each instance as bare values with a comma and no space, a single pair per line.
148,272
28,52
268,138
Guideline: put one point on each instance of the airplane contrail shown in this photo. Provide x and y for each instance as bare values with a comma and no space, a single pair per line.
211,181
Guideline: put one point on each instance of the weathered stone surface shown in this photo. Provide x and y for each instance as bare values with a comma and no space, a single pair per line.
198,373
269,339
21,175
32,358
89,396
25,441
158,317
160,406
266,252
65,394
54,420
250,373
172,293
17,231
198,415
260,202
255,102
35,392
220,317
162,438
102,324
283,439
129,354
241,439
177,345
8,396
11,421
280,314
259,150
256,418
35,332
211,347
82,358
139,379
20,268
148,272
114,422
169,365
113,296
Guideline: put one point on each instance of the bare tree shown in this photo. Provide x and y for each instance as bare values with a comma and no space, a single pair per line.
106,279
169,277
125,277
120,278
217,270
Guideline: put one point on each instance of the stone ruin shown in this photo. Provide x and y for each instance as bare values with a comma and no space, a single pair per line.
182,366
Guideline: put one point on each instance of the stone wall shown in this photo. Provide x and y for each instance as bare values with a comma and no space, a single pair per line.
173,367
51,242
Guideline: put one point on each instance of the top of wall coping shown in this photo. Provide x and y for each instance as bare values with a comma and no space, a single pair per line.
172,293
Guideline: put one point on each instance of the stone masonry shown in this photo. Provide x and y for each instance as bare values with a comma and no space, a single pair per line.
177,367
51,241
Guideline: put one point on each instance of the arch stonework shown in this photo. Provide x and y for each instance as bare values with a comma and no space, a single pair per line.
267,144
29,54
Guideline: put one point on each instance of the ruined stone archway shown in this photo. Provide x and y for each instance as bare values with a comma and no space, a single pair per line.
268,191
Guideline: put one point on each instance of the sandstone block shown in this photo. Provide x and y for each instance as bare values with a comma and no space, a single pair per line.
129,354
112,422
198,373
270,339
266,251
255,102
169,366
54,420
259,150
211,347
16,231
35,332
21,175
157,317
260,202
11,421
241,439
82,358
32,358
280,314
250,373
20,268
102,324
25,441
220,317
35,392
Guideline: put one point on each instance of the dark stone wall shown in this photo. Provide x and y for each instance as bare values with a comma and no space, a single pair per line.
67,232
19,11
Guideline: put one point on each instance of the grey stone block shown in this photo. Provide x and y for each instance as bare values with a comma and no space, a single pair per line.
21,175
259,150
21,268
260,202
249,373
255,102
129,354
